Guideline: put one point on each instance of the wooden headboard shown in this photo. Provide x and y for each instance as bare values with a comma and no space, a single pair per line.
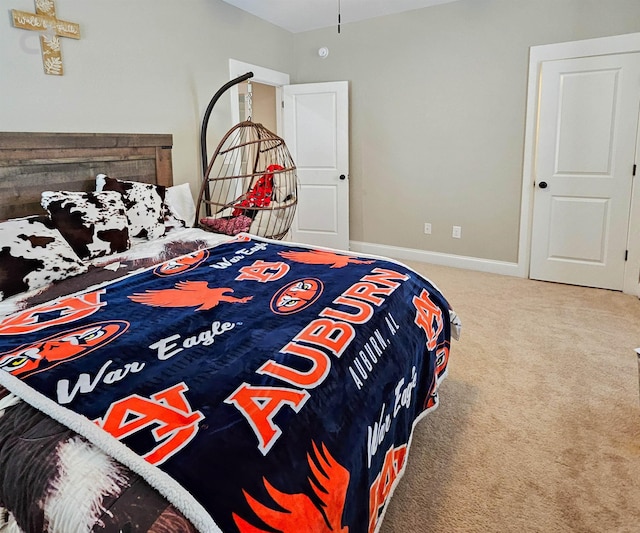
34,162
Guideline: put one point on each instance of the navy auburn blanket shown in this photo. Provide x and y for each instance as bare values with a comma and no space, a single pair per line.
259,386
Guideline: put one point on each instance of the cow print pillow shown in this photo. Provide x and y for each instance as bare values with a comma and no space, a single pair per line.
93,223
143,202
33,254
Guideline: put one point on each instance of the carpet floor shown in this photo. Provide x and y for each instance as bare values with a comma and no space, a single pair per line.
538,428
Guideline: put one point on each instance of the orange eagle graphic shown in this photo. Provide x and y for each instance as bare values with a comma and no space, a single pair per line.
298,512
188,294
323,257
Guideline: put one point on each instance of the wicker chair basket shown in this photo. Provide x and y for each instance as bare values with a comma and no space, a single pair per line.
250,184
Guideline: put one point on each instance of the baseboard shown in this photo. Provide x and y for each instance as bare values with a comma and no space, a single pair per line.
437,258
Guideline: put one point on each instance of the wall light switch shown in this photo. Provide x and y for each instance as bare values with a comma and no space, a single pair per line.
457,232
427,228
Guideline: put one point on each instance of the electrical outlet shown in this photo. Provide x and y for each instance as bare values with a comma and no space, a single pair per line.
457,232
427,228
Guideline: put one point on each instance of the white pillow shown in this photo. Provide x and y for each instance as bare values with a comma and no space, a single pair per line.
274,221
179,202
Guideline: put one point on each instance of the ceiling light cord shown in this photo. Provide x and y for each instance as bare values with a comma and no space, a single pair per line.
338,16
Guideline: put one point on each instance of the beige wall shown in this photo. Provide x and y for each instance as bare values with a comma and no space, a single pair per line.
437,114
148,66
437,97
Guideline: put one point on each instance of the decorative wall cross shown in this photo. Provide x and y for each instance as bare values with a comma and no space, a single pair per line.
51,29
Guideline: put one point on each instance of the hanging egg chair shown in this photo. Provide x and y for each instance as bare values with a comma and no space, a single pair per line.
250,184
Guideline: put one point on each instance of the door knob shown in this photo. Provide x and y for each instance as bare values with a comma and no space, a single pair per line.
343,177
542,184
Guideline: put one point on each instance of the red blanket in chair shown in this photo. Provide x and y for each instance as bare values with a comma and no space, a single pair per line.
260,194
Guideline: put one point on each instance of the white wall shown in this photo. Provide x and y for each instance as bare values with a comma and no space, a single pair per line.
438,101
144,66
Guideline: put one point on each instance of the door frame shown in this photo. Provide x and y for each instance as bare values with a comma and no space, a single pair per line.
618,44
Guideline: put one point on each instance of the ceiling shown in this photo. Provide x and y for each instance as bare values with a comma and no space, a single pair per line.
304,15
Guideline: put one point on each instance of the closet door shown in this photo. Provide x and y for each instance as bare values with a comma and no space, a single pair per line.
588,123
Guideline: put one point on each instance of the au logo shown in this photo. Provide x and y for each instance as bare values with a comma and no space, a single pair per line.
67,345
54,313
296,296
167,415
182,264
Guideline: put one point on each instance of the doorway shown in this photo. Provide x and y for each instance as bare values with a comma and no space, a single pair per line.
313,119
257,101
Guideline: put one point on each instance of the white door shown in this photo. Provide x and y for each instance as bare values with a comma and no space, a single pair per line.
587,126
316,131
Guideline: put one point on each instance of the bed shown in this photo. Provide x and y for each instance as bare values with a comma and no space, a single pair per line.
159,377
